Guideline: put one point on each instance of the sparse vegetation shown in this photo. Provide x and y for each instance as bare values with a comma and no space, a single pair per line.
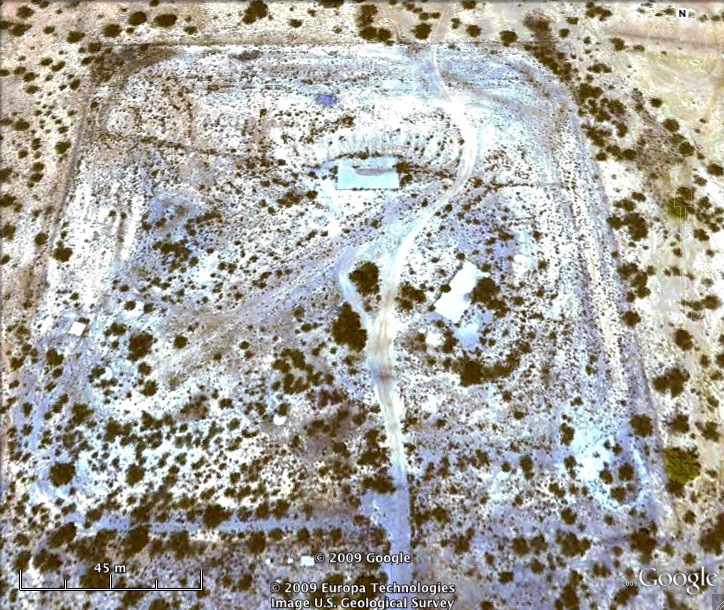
137,18
366,277
255,10
139,345
165,20
508,37
672,380
61,473
422,31
182,362
682,465
347,329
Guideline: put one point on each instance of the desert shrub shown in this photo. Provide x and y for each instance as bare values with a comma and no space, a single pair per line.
7,232
137,18
643,540
117,329
571,545
473,372
347,330
380,483
679,424
111,30
567,433
94,580
486,291
712,539
139,345
136,540
686,149
508,37
641,425
61,253
254,11
134,474
366,277
681,465
63,535
631,318
61,473
672,380
409,296
180,544
710,431
714,169
75,36
683,339
53,357
422,31
526,464
81,413
165,20
671,125
366,15
24,12
149,388
256,543
215,515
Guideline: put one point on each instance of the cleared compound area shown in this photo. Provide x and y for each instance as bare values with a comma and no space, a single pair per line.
375,173
222,354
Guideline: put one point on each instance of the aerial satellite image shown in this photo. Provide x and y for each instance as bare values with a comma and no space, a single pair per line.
361,304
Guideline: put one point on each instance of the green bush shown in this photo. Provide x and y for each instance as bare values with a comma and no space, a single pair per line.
134,474
165,20
672,380
507,37
422,31
366,277
215,515
139,344
137,18
61,473
681,465
347,329
255,11
641,425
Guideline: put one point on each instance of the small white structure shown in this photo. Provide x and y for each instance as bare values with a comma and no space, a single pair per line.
279,420
306,561
452,305
76,329
368,174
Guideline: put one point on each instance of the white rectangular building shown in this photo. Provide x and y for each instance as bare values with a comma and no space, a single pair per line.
368,174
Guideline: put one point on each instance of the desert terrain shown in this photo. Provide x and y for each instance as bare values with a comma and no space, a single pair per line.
430,279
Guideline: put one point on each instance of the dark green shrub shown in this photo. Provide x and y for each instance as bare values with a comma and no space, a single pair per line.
61,473
508,37
681,465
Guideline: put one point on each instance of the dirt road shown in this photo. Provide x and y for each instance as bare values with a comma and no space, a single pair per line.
381,327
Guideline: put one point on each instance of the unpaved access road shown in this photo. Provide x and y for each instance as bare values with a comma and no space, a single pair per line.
381,328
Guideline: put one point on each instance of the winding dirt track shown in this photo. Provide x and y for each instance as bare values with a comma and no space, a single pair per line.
382,330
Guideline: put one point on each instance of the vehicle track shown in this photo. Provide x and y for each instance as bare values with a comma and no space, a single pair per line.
382,330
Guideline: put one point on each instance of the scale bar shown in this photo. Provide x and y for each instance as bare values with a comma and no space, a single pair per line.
110,587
